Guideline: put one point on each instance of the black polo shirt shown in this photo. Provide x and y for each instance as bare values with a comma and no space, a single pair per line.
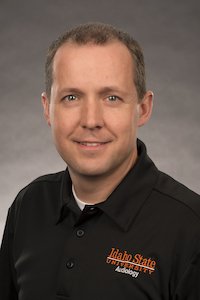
142,243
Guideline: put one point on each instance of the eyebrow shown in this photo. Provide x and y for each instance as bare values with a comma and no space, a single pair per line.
101,91
71,90
112,89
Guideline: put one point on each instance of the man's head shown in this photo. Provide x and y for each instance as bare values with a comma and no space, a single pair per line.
94,110
99,34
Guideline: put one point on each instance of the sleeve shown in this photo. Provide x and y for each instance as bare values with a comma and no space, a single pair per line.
189,285
8,289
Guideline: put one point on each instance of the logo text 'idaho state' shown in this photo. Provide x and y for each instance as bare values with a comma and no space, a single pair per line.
136,262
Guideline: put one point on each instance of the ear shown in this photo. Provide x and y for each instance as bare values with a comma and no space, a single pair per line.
46,106
146,106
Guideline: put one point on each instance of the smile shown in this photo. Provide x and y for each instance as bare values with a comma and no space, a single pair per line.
91,144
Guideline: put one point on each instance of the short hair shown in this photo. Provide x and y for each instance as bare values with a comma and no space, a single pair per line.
99,34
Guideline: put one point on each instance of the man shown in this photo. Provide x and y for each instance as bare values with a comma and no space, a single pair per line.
111,226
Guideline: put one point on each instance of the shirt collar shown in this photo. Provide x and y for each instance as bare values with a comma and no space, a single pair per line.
130,195
67,201
126,200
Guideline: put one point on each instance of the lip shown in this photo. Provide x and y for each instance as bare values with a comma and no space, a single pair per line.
91,145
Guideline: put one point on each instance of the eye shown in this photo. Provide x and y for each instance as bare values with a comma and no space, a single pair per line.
112,98
70,98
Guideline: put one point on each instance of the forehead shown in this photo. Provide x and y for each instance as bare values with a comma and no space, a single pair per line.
96,65
114,51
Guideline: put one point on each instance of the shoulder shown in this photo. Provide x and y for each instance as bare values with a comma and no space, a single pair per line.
178,193
41,182
55,177
37,191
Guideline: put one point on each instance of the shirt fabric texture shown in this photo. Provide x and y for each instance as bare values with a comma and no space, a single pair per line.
142,243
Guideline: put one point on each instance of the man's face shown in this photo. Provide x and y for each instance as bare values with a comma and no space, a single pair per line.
94,111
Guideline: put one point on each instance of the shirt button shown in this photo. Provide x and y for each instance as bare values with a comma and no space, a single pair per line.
80,232
70,264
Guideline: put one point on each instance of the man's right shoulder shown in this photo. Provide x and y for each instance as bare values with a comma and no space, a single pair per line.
46,182
44,179
54,177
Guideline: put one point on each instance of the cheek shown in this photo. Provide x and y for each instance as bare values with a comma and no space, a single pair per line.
63,123
123,124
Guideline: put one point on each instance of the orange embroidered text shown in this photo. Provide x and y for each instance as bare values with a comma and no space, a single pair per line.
137,262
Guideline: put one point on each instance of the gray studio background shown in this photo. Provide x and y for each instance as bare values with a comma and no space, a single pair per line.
169,32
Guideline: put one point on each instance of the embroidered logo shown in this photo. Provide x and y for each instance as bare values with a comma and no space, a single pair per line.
129,264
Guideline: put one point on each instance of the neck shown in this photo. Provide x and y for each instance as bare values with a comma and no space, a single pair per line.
96,189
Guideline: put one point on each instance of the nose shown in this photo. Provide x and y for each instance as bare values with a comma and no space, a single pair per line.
92,114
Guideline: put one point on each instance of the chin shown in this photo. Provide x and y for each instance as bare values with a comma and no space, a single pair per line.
91,173
88,171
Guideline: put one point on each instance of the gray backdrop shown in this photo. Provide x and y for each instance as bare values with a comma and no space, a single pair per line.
169,34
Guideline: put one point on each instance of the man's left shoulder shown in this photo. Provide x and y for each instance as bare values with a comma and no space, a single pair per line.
168,186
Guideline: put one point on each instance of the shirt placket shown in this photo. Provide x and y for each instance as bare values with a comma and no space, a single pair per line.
73,254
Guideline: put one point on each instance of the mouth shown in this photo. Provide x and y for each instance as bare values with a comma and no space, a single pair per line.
91,144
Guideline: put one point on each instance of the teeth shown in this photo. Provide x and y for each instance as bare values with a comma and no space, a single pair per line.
91,144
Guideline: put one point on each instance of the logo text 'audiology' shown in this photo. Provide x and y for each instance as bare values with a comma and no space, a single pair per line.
130,264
